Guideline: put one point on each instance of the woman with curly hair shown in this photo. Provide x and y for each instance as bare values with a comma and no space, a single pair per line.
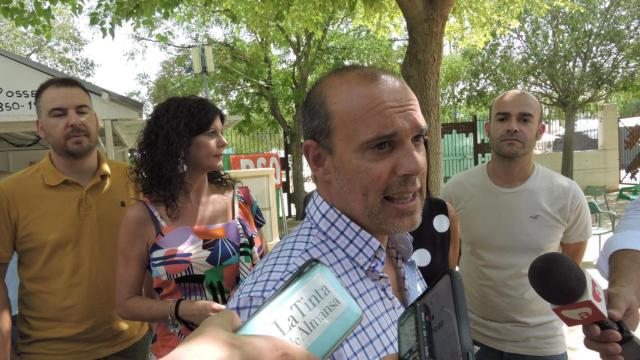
195,231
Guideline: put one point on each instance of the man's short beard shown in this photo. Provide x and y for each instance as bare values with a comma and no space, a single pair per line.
397,227
375,215
76,154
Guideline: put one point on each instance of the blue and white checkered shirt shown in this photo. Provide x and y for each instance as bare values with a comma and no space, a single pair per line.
357,259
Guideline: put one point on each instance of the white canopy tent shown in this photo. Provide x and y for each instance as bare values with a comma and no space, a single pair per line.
121,117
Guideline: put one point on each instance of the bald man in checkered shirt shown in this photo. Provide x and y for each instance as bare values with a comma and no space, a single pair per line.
365,143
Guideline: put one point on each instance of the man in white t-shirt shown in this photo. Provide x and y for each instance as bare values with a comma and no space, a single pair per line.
619,262
512,210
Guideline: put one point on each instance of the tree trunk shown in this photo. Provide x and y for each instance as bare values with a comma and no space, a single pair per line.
296,162
426,21
568,141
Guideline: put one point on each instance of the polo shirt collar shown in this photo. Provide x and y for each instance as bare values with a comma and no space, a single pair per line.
53,177
360,246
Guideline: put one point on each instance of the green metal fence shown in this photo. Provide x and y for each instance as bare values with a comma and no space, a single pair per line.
457,153
458,150
462,146
254,142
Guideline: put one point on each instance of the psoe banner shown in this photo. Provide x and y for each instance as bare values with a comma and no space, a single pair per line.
258,161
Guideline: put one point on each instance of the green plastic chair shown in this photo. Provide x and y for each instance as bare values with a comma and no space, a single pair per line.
598,193
629,193
598,228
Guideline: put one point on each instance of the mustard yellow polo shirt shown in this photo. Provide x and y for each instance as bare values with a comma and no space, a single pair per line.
66,239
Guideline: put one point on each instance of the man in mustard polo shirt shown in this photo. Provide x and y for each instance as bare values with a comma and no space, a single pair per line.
62,217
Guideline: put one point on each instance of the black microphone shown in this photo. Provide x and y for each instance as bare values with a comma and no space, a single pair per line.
577,298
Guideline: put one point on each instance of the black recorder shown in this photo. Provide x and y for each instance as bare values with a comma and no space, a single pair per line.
436,325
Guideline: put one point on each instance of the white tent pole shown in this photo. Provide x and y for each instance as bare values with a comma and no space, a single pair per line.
108,133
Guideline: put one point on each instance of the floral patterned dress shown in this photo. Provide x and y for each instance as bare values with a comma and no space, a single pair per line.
204,262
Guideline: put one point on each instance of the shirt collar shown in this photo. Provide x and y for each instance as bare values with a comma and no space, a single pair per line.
53,177
403,243
360,246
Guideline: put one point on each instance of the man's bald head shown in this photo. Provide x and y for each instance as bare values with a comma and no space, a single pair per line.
316,114
513,94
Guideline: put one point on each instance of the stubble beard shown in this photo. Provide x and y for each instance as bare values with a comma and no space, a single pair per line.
509,152
77,153
376,216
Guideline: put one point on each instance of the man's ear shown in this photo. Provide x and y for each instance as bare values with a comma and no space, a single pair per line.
542,127
40,128
317,157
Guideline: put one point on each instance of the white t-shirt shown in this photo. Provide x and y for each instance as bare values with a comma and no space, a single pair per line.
502,231
627,236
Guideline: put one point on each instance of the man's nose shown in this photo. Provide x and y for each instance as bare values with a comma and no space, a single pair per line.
413,162
512,126
75,119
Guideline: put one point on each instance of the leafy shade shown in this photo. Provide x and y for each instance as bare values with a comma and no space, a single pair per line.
36,15
61,50
267,55
569,57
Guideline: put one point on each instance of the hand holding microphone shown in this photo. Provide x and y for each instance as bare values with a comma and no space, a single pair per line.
578,300
623,297
606,342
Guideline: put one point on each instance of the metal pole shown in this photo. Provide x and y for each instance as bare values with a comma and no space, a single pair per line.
285,164
108,134
205,85
283,216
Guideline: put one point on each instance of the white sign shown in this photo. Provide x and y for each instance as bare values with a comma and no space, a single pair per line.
258,161
17,100
18,84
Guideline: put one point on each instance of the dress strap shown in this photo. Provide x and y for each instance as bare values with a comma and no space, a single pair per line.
156,219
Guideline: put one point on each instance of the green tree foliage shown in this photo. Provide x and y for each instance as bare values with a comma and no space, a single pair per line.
36,15
469,23
473,22
62,49
628,101
267,55
453,74
569,57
